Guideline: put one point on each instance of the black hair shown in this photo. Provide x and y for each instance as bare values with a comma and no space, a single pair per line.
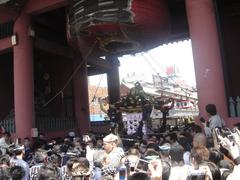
215,155
17,172
185,143
18,152
153,146
211,109
173,137
196,128
139,176
176,154
48,172
194,177
215,171
225,174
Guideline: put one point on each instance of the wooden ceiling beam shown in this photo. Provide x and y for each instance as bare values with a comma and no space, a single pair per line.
92,71
5,44
7,14
53,48
99,63
40,6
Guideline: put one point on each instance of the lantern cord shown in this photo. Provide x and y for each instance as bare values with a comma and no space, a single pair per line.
95,93
60,92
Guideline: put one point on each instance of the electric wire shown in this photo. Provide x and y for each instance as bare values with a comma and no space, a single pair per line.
163,70
150,64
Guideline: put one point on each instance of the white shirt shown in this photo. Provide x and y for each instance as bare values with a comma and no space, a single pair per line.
3,145
180,172
89,156
186,158
214,121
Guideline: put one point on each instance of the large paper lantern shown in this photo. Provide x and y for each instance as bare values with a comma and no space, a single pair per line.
118,26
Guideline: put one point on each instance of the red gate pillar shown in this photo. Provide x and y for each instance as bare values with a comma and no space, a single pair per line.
207,57
23,78
81,103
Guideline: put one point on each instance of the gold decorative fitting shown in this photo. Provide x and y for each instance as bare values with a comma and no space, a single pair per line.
116,43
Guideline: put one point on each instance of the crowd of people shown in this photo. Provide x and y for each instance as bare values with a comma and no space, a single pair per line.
211,153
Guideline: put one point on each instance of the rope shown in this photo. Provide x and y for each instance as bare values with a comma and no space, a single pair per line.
163,70
94,96
150,65
60,92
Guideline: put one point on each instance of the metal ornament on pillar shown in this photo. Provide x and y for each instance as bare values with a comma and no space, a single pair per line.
14,39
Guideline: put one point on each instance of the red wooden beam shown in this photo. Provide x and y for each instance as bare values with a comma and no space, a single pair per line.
5,44
65,51
41,6
99,63
7,14
53,48
92,71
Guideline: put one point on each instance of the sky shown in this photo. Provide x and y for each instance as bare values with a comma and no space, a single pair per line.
155,61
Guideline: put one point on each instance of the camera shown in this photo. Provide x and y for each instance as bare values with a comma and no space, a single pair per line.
142,165
230,137
224,132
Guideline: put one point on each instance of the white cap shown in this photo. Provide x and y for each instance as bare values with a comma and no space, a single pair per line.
71,134
165,147
110,138
18,148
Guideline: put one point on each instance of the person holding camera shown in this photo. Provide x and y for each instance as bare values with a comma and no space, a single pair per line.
17,160
215,120
5,143
115,153
232,145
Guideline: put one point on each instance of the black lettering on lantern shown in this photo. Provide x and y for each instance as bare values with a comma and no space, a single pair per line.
83,13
